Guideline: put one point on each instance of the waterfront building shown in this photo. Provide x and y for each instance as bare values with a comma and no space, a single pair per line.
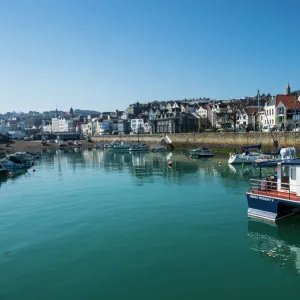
137,125
60,124
270,114
286,108
104,128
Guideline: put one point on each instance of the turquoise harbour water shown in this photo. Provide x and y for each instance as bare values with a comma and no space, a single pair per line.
98,225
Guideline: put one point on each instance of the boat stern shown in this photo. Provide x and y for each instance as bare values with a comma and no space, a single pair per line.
262,207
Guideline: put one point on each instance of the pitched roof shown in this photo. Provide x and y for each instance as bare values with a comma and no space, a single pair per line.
287,100
272,102
251,110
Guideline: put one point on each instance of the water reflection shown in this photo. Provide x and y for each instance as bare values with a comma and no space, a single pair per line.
15,174
145,165
278,244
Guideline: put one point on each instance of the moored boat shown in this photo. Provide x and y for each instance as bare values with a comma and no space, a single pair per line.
284,155
12,164
99,146
120,147
23,157
112,145
247,157
139,147
201,152
77,143
160,149
275,197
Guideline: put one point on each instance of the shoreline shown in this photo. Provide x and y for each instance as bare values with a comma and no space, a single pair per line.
36,146
217,142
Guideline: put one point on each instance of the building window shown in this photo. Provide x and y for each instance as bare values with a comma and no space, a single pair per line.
293,173
272,112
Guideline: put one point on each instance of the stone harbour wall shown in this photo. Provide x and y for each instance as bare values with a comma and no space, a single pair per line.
214,140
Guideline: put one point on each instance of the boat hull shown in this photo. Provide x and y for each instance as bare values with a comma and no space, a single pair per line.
270,208
201,154
119,149
138,150
267,163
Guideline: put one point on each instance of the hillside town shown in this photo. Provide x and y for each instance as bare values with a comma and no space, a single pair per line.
261,112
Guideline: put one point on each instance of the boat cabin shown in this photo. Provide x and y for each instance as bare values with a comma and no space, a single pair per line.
278,196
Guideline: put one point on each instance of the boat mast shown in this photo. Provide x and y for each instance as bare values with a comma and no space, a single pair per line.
259,117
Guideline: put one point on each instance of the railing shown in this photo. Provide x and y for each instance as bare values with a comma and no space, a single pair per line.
269,187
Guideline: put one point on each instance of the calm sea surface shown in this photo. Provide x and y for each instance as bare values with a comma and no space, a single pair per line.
98,225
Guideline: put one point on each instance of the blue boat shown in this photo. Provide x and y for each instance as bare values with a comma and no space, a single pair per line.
275,197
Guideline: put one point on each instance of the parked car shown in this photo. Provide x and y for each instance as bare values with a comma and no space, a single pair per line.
296,129
266,129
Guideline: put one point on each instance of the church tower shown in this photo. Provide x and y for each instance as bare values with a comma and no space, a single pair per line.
288,89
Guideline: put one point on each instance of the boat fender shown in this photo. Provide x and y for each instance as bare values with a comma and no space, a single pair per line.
10,173
170,163
191,156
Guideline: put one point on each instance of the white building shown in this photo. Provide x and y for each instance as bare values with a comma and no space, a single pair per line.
47,128
85,128
137,125
61,125
242,119
269,118
201,112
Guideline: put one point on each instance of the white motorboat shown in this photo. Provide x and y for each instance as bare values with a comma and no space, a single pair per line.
139,147
160,149
247,157
99,146
112,145
201,152
77,143
120,147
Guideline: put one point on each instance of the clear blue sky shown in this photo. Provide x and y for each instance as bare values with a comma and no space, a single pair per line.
105,55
